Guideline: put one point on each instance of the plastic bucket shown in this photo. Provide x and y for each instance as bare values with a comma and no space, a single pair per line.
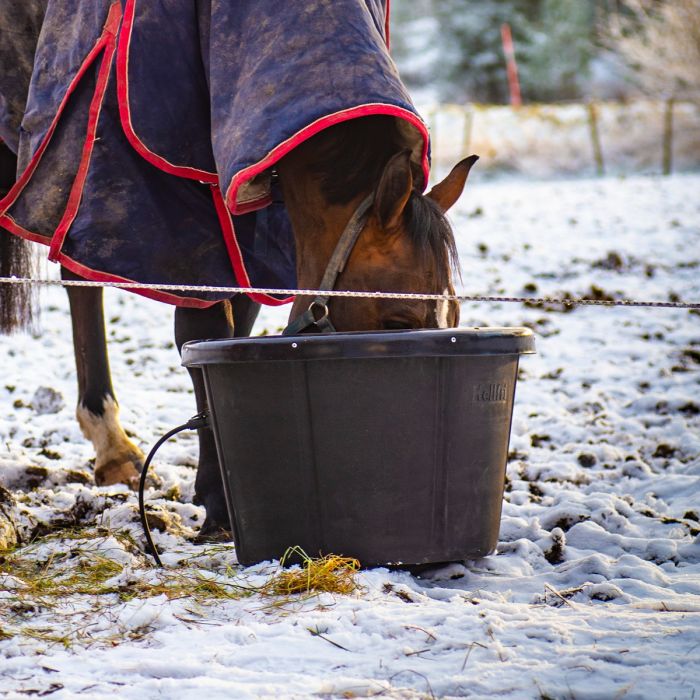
387,446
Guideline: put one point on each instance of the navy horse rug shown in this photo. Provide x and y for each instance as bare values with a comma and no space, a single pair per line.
147,131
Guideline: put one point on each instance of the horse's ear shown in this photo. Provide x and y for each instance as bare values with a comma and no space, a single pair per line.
394,189
447,192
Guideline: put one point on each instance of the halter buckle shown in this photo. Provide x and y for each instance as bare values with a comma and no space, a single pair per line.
318,304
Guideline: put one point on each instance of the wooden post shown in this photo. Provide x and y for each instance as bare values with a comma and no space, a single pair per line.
511,65
667,161
467,133
595,138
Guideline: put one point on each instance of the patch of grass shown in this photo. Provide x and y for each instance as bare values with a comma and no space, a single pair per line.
329,574
61,575
80,570
175,584
44,635
173,494
73,572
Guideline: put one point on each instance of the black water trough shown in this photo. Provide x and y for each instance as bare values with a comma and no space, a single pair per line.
387,446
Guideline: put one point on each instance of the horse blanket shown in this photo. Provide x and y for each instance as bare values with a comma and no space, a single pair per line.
147,131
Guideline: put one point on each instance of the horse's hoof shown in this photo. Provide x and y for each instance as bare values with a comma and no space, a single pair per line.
213,533
119,471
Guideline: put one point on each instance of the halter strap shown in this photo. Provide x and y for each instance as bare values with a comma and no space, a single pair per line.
335,266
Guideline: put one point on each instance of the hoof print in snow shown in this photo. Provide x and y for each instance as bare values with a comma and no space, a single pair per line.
36,476
664,451
613,261
692,354
539,440
555,553
690,409
47,400
586,459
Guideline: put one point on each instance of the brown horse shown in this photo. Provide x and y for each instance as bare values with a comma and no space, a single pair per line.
406,245
360,176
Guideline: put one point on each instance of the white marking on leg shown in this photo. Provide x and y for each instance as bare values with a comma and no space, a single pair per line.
112,446
103,431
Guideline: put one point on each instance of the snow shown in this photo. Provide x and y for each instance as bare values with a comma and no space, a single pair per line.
594,591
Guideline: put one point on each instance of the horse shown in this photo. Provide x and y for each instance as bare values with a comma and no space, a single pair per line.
359,172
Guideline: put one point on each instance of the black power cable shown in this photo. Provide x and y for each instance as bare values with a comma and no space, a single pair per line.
201,420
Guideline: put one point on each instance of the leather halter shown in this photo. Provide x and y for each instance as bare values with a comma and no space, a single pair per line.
316,318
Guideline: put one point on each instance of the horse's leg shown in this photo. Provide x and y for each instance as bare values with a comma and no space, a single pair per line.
245,312
222,320
118,460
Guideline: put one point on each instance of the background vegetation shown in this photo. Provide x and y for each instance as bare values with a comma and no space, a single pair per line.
566,49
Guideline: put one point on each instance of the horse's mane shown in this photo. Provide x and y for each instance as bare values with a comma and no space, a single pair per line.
350,158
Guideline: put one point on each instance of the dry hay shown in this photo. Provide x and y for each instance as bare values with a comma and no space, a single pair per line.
329,574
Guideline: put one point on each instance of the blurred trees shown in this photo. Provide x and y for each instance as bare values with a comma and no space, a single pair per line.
455,45
660,42
558,49
452,48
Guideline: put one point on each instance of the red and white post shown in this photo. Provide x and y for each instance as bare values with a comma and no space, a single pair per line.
511,65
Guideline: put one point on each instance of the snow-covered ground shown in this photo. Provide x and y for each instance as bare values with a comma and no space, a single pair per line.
594,591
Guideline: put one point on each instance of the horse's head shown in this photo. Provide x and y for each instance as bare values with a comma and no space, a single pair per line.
406,245
361,223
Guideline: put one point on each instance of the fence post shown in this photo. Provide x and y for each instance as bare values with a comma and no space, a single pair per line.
467,133
511,65
667,161
595,138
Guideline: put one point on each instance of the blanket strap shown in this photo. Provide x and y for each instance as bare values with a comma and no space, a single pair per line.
316,318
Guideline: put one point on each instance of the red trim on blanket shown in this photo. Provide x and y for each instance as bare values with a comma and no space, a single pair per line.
76,191
106,43
311,130
125,109
235,254
108,32
227,230
7,222
156,295
254,204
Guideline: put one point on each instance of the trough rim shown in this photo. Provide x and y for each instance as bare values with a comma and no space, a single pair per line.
424,343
